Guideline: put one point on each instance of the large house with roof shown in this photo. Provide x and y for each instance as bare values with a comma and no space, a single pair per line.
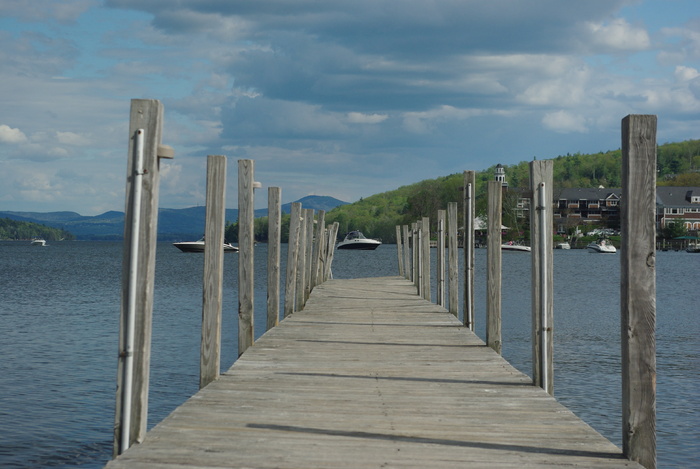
678,204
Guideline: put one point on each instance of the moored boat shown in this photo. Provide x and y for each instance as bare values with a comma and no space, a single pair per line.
511,246
693,247
601,246
563,245
356,240
38,242
198,246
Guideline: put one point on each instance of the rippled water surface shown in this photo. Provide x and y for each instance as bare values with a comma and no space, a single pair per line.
59,325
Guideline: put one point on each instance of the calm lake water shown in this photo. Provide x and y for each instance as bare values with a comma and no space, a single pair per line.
59,325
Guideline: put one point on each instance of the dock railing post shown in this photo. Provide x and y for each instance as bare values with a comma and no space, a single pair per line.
274,217
399,249
292,254
425,257
138,271
417,258
469,191
212,282
246,249
541,226
317,269
312,261
493,267
440,259
406,253
302,259
638,289
452,259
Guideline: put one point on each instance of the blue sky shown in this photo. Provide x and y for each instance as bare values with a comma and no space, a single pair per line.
345,99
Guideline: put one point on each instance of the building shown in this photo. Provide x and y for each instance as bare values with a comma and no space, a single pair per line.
581,206
678,204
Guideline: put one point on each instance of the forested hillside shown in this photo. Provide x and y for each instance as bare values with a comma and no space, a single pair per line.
18,230
378,215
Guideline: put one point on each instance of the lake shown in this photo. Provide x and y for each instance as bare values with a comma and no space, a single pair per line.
59,326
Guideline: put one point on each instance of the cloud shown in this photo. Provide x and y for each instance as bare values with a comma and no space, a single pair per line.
360,118
618,35
564,122
10,135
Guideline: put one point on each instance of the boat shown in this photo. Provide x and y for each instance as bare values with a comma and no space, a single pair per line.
601,246
38,242
511,246
563,245
198,246
693,247
356,240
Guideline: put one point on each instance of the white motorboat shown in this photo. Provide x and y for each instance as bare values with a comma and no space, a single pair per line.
198,246
511,246
601,246
38,242
563,245
356,240
693,247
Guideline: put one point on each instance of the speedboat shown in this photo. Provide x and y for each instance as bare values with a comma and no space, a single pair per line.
356,240
601,246
511,246
38,242
198,246
563,245
693,247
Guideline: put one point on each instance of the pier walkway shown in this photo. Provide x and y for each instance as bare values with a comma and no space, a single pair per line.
370,375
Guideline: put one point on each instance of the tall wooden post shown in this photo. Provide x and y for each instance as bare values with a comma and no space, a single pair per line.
440,260
292,255
638,289
311,267
406,253
274,233
469,191
493,267
316,268
246,249
138,271
212,283
453,261
416,257
425,257
399,249
541,178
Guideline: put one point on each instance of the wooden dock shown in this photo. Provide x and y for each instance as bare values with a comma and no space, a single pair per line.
371,375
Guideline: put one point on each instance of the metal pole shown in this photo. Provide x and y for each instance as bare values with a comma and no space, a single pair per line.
544,342
128,352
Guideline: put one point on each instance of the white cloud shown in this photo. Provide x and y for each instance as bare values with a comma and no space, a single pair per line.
10,135
564,122
686,73
618,35
360,118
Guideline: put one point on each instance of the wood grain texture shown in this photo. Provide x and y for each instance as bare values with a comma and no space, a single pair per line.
370,375
292,258
246,253
274,238
452,259
212,282
493,266
638,288
469,190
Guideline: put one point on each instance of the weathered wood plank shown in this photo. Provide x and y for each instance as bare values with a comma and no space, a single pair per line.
212,282
371,375
638,288
274,236
246,253
493,267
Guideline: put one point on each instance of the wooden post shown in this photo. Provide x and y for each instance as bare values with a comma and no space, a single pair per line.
212,282
310,266
638,289
469,199
274,233
406,253
440,260
493,267
416,258
399,249
316,268
332,235
301,263
541,172
292,255
246,249
138,272
453,261
425,257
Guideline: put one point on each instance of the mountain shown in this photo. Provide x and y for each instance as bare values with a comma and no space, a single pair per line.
173,224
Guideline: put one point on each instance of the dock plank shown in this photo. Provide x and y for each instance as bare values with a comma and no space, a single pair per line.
371,375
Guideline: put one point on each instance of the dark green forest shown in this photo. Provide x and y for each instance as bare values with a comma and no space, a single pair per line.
22,230
376,216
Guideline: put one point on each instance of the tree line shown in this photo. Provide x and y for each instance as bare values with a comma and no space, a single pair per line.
24,230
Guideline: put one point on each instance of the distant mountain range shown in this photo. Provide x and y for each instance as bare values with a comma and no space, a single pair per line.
173,224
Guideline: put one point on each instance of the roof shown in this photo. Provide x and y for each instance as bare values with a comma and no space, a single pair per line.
670,196
588,193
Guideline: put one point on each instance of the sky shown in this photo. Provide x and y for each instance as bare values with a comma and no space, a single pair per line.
336,98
